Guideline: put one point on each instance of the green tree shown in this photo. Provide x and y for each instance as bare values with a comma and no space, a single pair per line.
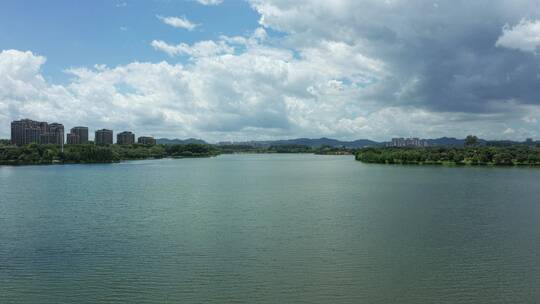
502,159
471,140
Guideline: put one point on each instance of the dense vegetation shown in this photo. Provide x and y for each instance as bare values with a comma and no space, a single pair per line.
48,154
328,150
190,150
290,149
469,155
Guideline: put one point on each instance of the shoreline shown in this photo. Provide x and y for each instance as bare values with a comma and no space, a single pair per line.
60,163
453,165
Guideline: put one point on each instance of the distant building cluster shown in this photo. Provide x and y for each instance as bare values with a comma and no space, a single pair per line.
27,131
407,142
146,140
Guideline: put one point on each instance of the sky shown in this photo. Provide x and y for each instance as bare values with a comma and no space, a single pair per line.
235,70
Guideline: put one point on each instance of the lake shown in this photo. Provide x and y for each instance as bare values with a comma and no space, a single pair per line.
268,229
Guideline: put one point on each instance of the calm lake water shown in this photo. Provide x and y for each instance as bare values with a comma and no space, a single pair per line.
268,229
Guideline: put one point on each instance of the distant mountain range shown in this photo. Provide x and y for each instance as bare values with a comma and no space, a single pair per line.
176,141
308,142
317,142
360,143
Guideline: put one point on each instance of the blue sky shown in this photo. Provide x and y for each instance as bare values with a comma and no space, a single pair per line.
268,69
84,33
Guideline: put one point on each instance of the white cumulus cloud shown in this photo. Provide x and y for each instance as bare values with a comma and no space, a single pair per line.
198,49
524,36
178,22
210,2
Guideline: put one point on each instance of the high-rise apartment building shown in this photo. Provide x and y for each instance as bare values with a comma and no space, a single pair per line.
104,137
27,131
82,133
125,138
55,136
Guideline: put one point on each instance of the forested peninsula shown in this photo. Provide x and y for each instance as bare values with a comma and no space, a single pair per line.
515,155
35,154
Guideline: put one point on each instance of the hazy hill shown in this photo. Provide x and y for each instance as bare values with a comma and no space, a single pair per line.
324,141
176,141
